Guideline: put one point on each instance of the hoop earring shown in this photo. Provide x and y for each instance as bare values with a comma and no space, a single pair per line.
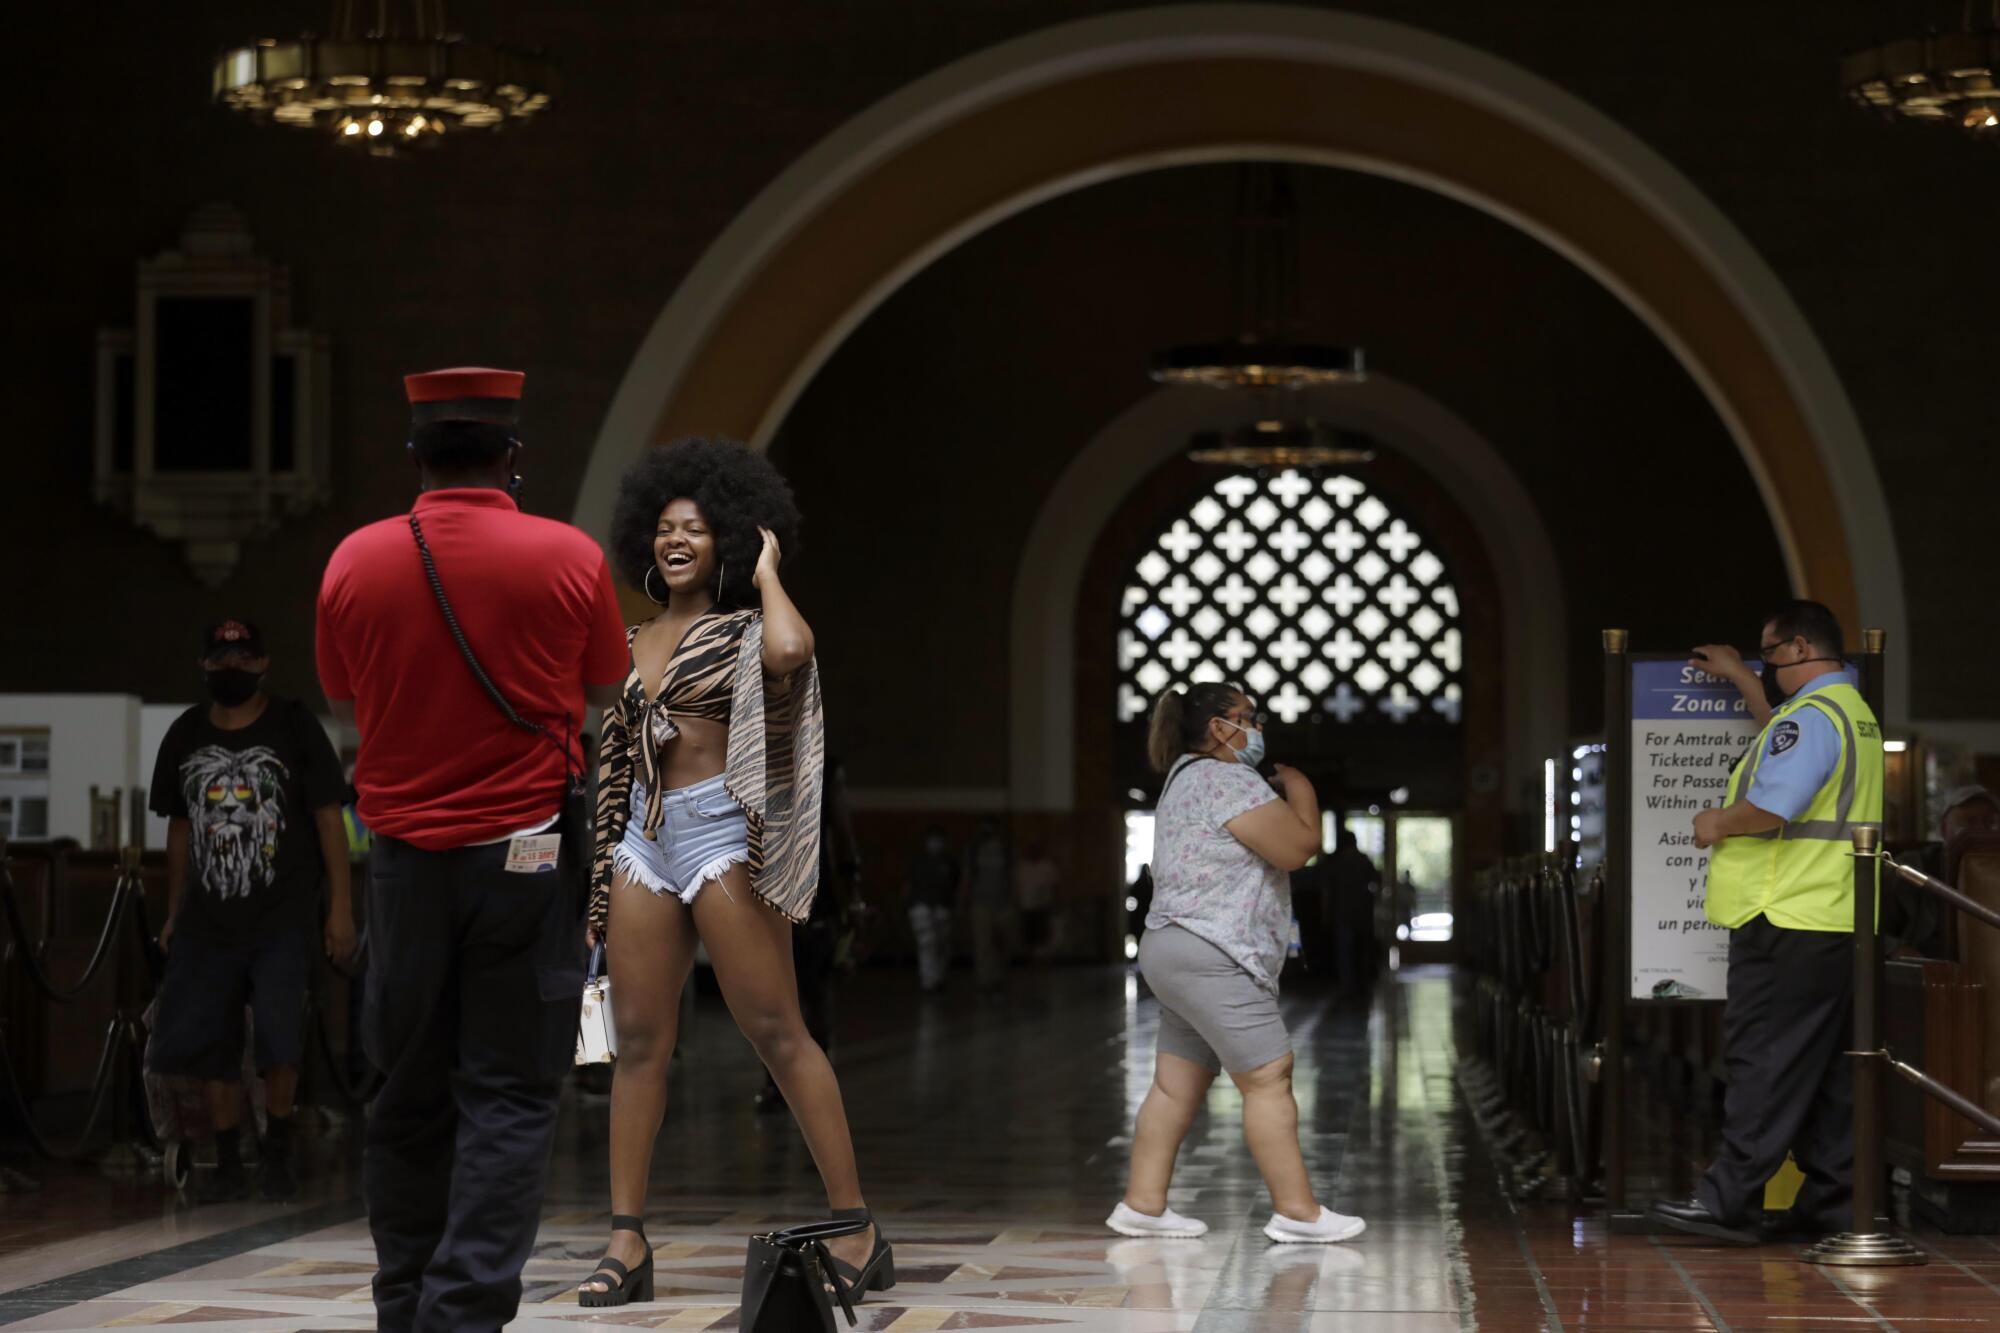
721,572
646,586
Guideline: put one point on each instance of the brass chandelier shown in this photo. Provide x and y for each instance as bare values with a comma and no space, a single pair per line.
1276,442
1269,351
372,84
1945,78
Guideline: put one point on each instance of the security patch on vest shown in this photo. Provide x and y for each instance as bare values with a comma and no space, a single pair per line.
1784,736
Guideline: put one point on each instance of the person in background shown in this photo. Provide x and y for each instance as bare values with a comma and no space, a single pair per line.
1315,930
1036,879
1141,895
251,789
930,887
816,942
989,891
1405,904
1349,882
1914,924
359,839
1781,881
1217,938
1971,809
475,968
359,842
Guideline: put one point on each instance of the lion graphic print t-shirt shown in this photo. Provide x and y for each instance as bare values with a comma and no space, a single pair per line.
253,854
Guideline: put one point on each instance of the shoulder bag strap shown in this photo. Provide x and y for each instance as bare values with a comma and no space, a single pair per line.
500,700
1179,769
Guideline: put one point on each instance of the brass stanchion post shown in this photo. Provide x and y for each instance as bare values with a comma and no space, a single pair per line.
1874,644
12,1181
1865,1247
125,1155
1615,974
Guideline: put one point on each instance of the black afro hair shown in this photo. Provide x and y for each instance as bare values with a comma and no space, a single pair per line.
738,492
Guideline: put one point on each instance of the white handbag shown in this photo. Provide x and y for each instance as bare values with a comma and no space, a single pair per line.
596,1036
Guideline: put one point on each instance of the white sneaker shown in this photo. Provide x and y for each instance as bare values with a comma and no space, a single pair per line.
1330,1227
1168,1225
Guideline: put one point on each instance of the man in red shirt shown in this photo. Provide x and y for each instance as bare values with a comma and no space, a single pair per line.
475,966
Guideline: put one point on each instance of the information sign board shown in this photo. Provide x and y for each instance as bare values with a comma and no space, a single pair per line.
1688,731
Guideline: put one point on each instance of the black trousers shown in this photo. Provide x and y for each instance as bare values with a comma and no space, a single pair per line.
1786,1028
475,977
1350,958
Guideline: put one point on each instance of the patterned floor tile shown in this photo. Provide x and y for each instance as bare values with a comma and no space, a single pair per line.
996,1202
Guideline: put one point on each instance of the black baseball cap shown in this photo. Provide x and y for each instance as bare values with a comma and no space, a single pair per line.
232,636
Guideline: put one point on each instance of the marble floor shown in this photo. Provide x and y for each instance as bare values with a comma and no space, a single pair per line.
992,1134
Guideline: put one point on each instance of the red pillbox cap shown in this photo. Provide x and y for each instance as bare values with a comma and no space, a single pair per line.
440,386
469,393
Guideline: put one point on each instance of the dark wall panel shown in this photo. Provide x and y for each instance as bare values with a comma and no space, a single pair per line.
553,248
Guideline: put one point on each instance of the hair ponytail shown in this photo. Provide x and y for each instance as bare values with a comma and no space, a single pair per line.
1163,738
1180,720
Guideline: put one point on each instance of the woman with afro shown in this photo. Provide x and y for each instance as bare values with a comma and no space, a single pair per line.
710,773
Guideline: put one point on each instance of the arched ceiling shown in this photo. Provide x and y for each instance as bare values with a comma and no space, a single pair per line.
925,445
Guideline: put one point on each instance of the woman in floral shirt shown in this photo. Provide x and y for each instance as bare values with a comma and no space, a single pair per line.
1224,842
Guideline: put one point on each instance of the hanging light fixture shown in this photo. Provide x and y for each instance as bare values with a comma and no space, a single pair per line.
1946,78
1271,350
1274,442
371,84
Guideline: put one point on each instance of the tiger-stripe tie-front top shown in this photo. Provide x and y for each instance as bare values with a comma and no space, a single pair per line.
774,768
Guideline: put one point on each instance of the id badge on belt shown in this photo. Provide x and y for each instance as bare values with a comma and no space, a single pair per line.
533,854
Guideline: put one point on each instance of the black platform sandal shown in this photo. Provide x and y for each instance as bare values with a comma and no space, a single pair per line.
879,1273
625,1284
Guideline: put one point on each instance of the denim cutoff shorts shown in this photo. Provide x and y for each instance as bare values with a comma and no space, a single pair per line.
703,832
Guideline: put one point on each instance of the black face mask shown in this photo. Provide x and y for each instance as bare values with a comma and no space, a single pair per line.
1776,694
230,686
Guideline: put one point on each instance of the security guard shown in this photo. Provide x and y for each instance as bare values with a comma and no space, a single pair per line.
1781,879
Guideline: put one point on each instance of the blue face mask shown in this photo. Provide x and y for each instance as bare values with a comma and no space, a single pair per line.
1252,752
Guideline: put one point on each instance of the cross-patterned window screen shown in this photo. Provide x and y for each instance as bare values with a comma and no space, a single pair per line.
1308,589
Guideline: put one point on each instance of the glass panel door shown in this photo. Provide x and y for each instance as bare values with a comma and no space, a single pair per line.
1423,878
1372,833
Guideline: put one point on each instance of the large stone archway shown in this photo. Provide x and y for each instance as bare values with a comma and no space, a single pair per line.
1060,109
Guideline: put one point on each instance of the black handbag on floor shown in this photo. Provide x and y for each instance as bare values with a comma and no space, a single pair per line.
785,1277
573,819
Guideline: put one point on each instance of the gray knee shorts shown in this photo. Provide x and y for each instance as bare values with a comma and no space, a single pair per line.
1211,1011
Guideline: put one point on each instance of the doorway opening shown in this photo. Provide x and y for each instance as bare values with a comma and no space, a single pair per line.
1328,600
1416,856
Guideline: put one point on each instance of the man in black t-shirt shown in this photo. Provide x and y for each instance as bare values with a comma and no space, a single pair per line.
251,788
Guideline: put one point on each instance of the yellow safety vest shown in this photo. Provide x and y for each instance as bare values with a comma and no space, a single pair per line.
1801,876
359,839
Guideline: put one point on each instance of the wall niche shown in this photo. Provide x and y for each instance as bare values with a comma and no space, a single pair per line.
212,411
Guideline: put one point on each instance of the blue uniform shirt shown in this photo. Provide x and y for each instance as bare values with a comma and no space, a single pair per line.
1799,754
